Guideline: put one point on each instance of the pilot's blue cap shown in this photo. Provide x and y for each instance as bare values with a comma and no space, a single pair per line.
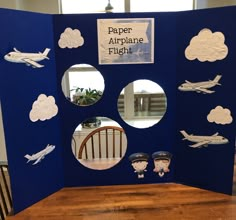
161,155
138,157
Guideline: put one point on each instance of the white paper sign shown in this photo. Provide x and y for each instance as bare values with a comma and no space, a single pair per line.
125,41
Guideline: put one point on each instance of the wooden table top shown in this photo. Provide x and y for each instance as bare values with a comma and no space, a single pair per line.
132,202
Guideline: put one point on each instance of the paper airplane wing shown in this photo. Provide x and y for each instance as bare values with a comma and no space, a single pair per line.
215,134
204,90
188,82
16,50
199,144
38,160
31,62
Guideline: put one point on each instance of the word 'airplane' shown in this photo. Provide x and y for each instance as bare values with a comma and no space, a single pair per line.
200,86
40,155
28,58
204,140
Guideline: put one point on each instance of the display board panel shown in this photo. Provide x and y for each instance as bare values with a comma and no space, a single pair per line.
191,143
28,94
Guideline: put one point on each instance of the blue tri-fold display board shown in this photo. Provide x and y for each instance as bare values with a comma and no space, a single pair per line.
190,54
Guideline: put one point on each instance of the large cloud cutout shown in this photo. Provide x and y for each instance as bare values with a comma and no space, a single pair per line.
71,39
220,115
44,108
207,46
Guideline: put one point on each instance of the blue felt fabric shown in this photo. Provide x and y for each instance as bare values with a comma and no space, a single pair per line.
20,85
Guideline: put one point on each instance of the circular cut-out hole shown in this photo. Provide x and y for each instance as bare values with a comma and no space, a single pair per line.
82,84
142,103
99,143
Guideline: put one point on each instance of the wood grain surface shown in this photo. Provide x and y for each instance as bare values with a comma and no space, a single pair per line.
132,202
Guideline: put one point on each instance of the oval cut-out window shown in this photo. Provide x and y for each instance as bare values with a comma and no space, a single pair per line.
142,103
83,84
99,143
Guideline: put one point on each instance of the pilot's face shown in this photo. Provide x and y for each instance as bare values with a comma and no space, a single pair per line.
162,164
139,165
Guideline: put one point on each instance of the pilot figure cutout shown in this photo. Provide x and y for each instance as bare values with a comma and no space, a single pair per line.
139,162
162,161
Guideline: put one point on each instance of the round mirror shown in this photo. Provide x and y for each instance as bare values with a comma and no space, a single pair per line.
142,103
99,143
82,84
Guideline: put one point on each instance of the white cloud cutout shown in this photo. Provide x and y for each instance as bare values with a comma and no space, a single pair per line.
207,46
44,108
71,39
220,115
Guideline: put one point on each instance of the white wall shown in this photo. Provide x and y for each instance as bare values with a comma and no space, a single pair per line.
217,3
3,155
43,6
8,4
213,3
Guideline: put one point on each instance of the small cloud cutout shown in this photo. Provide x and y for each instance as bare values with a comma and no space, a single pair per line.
71,39
220,115
207,46
44,108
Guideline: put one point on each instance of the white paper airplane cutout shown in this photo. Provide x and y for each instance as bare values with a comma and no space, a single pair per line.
30,59
40,155
203,141
200,87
